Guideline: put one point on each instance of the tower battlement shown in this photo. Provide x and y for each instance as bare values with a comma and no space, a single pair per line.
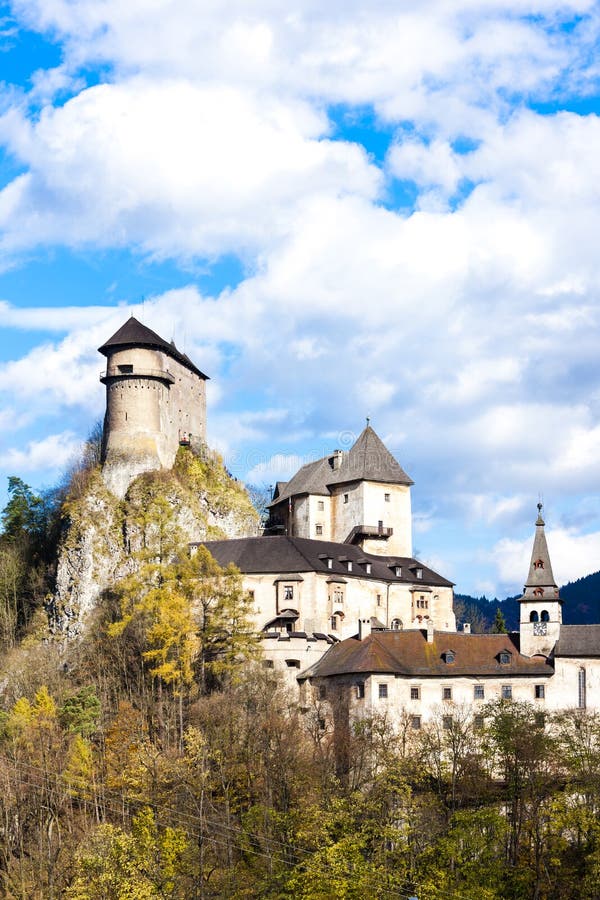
155,401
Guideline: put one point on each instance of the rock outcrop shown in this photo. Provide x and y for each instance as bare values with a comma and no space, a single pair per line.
197,499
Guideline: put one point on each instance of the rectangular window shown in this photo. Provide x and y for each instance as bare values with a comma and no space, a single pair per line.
540,691
582,689
447,722
478,692
507,691
292,663
288,592
419,573
360,690
383,691
251,595
447,693
478,722
320,505
318,529
379,600
345,498
415,722
387,497
415,692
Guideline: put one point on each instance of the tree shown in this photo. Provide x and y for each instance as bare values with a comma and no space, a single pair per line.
499,626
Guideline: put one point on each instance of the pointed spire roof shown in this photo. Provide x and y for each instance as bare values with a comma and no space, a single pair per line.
367,460
540,568
134,334
370,459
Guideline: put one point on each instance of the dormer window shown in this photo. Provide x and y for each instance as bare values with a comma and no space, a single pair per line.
368,568
419,573
398,571
504,657
349,565
449,657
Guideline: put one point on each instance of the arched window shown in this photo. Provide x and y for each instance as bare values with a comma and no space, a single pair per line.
545,615
396,625
533,616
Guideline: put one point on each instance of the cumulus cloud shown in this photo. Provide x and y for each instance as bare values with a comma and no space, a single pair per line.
52,453
173,168
573,555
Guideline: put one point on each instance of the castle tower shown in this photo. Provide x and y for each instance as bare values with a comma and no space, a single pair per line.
361,496
155,401
541,606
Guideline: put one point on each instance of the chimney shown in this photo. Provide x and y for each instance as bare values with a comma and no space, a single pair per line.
430,631
364,628
335,460
466,628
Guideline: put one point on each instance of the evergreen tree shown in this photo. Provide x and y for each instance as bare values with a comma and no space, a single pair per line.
499,626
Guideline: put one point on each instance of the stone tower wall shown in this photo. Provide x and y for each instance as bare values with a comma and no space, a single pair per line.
152,400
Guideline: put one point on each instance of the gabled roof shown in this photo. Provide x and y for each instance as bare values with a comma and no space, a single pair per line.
367,460
283,554
134,334
578,640
409,653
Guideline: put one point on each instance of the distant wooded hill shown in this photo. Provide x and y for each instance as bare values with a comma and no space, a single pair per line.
581,606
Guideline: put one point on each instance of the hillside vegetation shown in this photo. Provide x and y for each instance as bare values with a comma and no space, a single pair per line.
149,755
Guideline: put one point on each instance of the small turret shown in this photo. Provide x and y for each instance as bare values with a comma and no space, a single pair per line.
541,605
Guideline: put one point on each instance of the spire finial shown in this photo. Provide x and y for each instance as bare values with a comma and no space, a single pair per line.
540,507
368,421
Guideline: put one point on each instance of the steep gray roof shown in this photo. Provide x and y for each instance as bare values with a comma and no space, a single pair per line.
409,653
578,640
134,334
282,554
540,568
367,460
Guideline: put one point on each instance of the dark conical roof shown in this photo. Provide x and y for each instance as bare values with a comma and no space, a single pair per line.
134,334
540,568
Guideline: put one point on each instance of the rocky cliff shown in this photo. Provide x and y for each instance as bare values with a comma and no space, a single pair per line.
195,500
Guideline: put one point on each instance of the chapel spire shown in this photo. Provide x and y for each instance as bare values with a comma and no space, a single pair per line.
540,580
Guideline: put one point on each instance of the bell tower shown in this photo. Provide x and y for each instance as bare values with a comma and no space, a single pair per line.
541,606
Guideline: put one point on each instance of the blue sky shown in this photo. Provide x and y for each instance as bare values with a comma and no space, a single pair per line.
388,211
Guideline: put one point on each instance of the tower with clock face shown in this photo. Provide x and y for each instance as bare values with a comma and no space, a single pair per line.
541,606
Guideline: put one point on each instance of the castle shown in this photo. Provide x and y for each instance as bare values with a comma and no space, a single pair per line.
337,556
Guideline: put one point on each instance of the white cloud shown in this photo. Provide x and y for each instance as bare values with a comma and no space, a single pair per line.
279,467
173,168
572,554
52,453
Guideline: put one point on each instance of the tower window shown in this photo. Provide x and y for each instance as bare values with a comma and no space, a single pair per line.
540,691
533,616
545,615
345,498
288,592
387,497
320,505
415,692
318,529
383,691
